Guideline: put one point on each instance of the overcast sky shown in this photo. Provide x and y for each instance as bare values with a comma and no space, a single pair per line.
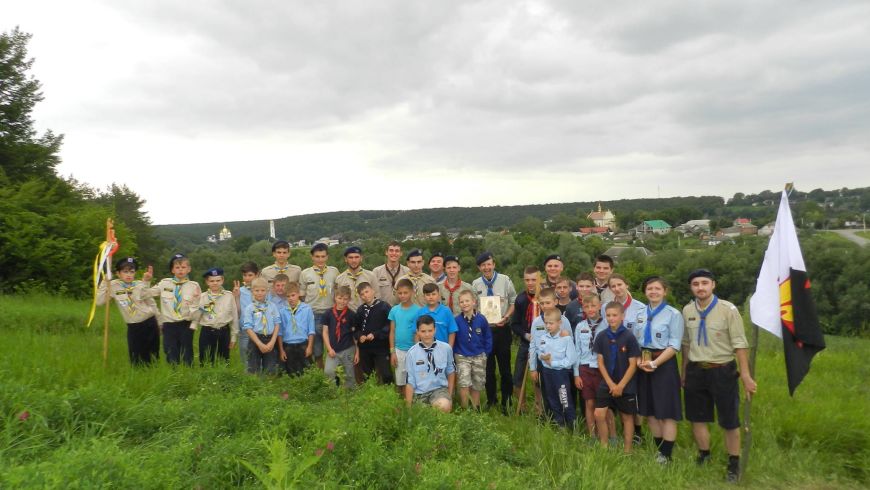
231,110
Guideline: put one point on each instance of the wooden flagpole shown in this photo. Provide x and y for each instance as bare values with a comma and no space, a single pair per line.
109,239
747,409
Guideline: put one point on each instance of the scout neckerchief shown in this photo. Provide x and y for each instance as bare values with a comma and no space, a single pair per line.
293,310
338,320
128,288
178,283
650,314
450,291
600,287
322,282
354,276
212,300
627,303
261,309
469,321
393,276
703,327
430,357
282,270
614,349
593,327
489,283
441,277
530,311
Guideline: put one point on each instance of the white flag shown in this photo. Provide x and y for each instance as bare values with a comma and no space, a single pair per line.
783,253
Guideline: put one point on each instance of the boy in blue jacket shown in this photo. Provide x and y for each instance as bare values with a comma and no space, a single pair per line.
473,345
557,356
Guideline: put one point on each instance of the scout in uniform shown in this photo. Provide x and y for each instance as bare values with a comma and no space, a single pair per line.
431,373
525,311
658,378
137,309
281,252
445,322
553,269
563,293
546,301
372,334
602,269
278,294
587,378
402,330
452,286
473,345
296,338
436,267
261,323
618,354
574,312
315,288
712,338
389,273
338,338
555,355
416,275
219,318
242,293
178,302
355,275
494,285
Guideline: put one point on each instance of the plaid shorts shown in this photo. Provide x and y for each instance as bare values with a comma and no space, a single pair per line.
471,371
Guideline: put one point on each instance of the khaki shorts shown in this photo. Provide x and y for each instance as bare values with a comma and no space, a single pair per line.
401,374
471,371
429,397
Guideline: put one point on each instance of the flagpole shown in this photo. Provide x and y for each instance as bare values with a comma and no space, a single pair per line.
109,227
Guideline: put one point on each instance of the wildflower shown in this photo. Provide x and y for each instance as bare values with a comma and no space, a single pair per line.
418,468
285,395
24,415
330,446
318,452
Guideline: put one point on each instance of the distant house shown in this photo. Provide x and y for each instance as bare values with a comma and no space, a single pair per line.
716,240
328,241
766,230
694,227
603,219
618,250
743,226
593,230
656,226
435,234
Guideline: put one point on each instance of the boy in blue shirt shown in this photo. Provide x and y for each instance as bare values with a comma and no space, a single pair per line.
402,330
242,293
261,323
555,351
445,323
296,338
618,352
473,345
430,370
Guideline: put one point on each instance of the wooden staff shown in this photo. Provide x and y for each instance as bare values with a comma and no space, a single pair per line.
109,239
747,409
522,394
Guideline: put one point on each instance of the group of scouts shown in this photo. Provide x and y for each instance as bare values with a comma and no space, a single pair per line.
586,342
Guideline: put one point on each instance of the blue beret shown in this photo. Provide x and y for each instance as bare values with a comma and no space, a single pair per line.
414,253
126,263
451,258
174,258
701,273
436,254
214,272
484,257
552,257
352,250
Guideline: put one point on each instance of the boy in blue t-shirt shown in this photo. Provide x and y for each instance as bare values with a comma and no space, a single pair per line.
445,323
431,372
403,330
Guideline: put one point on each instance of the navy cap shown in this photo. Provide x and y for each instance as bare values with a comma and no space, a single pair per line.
280,244
414,253
436,254
126,263
451,258
484,257
319,247
553,257
174,258
352,250
701,273
214,272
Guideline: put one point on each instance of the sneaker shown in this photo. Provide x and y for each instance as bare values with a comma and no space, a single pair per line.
732,475
662,459
637,440
702,459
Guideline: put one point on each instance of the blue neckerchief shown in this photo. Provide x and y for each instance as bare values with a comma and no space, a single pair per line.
614,349
490,283
650,314
703,328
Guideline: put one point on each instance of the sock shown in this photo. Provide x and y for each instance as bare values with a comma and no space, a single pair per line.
733,462
637,430
703,453
667,448
658,441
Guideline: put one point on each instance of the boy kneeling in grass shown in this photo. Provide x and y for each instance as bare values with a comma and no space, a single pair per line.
430,368
618,353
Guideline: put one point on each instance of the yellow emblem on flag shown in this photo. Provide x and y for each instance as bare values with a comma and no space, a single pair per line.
786,309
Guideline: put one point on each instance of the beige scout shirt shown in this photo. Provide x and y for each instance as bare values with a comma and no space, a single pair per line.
172,310
724,333
502,287
418,281
446,294
131,300
218,311
292,271
386,285
351,280
309,287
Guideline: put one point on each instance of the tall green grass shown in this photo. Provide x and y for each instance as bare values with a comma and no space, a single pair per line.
68,422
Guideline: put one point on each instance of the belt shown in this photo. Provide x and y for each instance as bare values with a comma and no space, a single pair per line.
215,328
655,352
712,365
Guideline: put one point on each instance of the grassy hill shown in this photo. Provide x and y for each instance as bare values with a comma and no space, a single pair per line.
68,422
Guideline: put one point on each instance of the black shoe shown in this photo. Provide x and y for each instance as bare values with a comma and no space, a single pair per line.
702,459
732,475
637,440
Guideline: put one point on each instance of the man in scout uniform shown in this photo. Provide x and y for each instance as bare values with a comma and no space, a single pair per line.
315,288
281,252
453,285
553,269
712,338
416,275
436,267
355,275
389,273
